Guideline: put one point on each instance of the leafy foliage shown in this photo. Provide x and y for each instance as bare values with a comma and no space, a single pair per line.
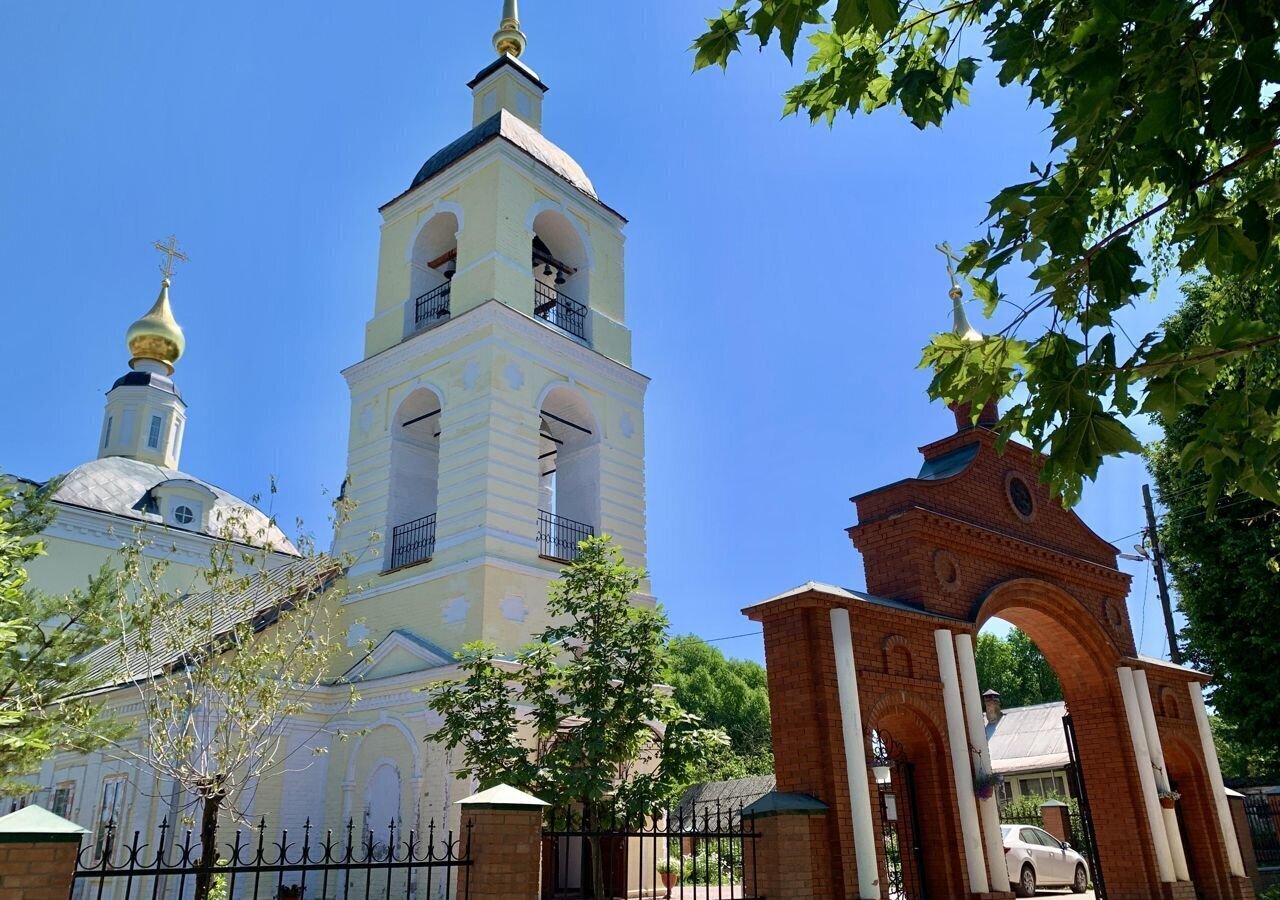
1014,666
729,694
1226,566
42,638
1164,123
579,718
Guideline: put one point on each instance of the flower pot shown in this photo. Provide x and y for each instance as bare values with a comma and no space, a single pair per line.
1167,802
669,880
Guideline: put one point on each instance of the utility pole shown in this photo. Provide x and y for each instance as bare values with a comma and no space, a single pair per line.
1157,557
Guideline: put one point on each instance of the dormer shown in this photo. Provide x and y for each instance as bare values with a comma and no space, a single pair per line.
183,503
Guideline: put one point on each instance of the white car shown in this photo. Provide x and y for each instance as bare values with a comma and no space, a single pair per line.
1035,858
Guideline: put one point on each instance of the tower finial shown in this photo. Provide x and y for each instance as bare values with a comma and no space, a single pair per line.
156,340
961,324
509,38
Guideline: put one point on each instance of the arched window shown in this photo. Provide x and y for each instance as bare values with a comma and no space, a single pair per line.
569,485
414,486
561,279
433,261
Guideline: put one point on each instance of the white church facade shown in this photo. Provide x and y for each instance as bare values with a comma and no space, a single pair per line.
495,420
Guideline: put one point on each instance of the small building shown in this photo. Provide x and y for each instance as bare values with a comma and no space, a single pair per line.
1028,747
709,799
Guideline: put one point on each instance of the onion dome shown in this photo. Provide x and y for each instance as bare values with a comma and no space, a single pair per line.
156,337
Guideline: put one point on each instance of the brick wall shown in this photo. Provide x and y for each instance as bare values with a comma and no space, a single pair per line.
506,854
38,870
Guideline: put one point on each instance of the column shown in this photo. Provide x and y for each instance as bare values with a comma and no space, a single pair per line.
1216,787
1156,749
975,719
781,864
37,855
506,845
855,758
1146,777
970,831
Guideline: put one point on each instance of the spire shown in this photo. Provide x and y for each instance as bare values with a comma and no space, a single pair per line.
961,326
509,39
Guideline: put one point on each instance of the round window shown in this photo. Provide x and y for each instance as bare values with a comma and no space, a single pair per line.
183,515
1020,497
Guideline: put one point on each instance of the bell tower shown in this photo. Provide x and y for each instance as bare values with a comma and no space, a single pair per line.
495,418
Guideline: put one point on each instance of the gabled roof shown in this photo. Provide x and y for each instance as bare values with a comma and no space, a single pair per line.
512,129
725,797
265,594
1029,738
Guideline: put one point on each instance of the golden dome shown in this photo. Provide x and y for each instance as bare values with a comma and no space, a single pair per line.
157,335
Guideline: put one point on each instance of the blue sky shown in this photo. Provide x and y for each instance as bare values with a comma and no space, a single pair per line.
781,278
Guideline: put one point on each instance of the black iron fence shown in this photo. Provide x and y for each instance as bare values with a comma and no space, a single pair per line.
559,309
1263,814
432,307
558,536
413,541
707,855
350,864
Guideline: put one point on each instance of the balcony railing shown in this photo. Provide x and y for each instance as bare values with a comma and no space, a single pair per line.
431,308
413,542
558,536
560,310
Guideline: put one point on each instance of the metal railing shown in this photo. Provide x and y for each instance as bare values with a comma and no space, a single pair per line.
413,542
349,864
432,307
560,310
709,855
558,537
1263,814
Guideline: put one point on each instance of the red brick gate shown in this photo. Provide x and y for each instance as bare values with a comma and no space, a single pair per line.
976,535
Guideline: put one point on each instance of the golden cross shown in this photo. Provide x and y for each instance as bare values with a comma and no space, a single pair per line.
172,253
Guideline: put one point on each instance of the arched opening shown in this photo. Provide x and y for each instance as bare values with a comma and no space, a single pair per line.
560,273
1071,744
1197,818
912,806
413,489
382,816
568,474
433,260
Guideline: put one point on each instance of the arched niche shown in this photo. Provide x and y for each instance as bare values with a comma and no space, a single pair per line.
568,472
561,271
433,260
414,484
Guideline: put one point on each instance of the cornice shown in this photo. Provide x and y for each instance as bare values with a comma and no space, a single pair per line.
493,312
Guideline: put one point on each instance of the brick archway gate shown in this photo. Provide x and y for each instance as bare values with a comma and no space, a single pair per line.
974,536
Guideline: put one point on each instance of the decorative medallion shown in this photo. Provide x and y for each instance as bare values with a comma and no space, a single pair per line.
1020,497
514,608
365,420
514,376
455,611
628,427
947,569
356,634
470,375
1113,614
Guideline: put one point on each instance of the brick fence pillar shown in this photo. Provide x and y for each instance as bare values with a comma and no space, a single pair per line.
785,865
37,855
1055,816
502,827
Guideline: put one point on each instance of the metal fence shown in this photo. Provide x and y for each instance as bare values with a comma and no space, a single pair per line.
1263,814
559,536
432,307
708,855
560,310
413,542
350,864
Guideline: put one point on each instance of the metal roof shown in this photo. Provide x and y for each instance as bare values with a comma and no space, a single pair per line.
503,124
265,593
727,798
121,486
1028,738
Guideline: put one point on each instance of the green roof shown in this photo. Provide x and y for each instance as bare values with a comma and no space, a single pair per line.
35,824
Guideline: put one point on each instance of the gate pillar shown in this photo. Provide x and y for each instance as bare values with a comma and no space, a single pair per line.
784,865
37,855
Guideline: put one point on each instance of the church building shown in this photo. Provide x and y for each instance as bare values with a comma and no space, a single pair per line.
495,422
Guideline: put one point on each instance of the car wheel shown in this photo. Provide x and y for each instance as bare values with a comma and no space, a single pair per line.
1081,882
1026,886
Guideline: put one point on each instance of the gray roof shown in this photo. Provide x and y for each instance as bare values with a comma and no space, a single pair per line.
850,594
262,597
1028,739
727,797
121,486
509,127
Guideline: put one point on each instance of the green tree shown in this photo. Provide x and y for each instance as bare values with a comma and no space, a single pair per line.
1163,122
42,639
729,694
579,717
223,674
1014,666
1226,565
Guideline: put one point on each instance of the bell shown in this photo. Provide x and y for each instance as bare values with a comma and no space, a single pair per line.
560,279
546,270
